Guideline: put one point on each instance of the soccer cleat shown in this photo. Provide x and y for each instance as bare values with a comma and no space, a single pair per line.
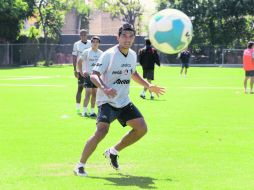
142,96
93,115
80,171
112,159
152,97
85,115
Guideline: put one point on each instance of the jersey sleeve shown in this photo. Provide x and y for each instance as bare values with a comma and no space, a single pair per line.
75,49
102,64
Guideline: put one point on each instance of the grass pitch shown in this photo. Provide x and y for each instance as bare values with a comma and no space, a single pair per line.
200,134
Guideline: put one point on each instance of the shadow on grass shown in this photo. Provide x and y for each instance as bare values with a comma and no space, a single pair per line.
129,180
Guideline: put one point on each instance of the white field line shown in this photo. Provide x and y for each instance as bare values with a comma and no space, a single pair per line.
33,85
212,87
29,77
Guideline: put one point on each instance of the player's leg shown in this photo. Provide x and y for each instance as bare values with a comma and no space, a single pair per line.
246,81
91,144
139,129
79,92
150,77
105,116
181,71
131,116
251,84
93,100
143,93
86,101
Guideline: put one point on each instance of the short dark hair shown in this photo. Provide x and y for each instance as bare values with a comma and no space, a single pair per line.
82,31
126,27
96,38
147,41
250,44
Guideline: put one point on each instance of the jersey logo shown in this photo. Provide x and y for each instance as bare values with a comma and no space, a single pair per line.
119,81
126,65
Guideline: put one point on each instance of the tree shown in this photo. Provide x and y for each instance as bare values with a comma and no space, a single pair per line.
12,16
51,17
217,22
128,10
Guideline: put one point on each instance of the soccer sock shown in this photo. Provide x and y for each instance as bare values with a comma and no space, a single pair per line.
84,110
112,150
143,93
92,110
77,106
151,94
79,164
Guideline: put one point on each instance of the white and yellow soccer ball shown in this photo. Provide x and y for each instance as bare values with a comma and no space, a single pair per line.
170,31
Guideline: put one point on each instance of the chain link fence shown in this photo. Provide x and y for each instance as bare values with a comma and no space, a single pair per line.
34,54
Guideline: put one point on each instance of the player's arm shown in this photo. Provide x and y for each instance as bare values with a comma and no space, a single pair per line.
153,88
80,66
96,79
74,59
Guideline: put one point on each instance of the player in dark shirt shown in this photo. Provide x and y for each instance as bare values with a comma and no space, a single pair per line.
184,56
148,57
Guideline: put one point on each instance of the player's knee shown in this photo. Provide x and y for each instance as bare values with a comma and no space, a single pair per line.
101,131
142,130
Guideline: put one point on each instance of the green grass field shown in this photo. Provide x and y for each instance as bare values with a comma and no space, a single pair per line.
201,134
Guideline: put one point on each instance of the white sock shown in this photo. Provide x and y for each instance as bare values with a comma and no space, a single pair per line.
112,150
151,94
77,106
92,111
143,93
84,110
79,164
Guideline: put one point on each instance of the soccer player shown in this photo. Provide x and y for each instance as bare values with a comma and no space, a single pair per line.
148,57
78,48
248,66
112,75
184,56
87,61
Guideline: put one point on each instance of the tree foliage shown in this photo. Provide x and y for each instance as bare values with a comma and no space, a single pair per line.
51,17
128,10
217,22
12,15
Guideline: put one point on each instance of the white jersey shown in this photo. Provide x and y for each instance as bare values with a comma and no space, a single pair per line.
116,71
79,47
89,58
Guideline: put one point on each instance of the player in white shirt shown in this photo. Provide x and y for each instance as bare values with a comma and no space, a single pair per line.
87,61
112,75
78,48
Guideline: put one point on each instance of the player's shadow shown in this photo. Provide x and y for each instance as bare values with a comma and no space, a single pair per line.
129,180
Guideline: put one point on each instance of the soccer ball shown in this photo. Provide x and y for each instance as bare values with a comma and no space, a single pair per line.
170,31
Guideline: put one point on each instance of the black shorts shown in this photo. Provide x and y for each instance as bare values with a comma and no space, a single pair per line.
88,83
108,113
148,74
186,65
249,73
80,79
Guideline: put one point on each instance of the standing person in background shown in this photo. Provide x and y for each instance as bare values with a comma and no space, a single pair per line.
248,66
148,57
184,56
87,61
78,48
112,75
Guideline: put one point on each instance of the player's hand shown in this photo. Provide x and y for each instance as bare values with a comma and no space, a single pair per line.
76,74
110,92
157,90
85,75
